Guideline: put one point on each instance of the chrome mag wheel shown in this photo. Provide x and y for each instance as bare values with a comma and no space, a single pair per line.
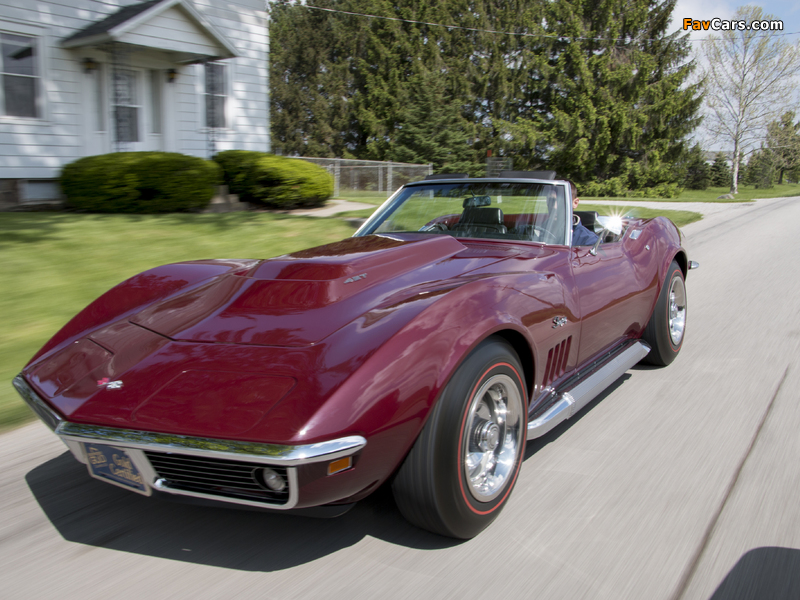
677,310
491,449
462,468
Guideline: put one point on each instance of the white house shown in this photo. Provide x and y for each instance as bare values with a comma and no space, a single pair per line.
85,77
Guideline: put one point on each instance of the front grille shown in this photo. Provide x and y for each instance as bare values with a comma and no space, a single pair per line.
225,478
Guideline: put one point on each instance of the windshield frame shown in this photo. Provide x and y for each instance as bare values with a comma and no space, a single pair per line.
398,198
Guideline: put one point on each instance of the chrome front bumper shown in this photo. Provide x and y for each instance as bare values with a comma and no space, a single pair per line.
137,444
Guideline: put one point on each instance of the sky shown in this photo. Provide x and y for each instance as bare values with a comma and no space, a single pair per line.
786,10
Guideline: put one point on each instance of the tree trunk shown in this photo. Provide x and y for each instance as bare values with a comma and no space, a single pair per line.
735,176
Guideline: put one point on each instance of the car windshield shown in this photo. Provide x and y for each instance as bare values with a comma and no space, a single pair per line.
496,210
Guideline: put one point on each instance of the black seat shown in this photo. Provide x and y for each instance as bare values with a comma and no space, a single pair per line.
481,220
588,218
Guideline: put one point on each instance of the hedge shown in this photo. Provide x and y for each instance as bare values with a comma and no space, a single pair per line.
274,181
617,188
139,182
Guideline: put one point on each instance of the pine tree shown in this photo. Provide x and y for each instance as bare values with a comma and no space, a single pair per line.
720,171
310,90
430,129
760,170
616,102
698,172
594,90
783,141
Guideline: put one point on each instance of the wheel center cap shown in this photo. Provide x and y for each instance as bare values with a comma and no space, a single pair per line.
488,436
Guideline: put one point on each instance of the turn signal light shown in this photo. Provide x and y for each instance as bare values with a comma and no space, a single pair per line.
340,465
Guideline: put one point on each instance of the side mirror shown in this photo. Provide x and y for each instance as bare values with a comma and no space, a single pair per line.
610,224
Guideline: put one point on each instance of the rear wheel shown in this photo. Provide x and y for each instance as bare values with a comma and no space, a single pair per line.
462,468
664,333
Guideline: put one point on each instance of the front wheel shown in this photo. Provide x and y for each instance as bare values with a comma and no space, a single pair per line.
667,325
462,468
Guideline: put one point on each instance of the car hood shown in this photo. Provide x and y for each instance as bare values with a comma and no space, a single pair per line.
301,298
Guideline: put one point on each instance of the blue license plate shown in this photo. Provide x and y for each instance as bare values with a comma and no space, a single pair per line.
114,466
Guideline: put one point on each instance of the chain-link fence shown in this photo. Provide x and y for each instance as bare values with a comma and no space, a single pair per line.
369,176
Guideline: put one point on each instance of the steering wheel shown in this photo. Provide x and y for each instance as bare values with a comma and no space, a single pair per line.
433,227
540,234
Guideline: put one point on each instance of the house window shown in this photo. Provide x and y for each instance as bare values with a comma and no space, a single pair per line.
156,77
99,100
126,105
215,95
19,74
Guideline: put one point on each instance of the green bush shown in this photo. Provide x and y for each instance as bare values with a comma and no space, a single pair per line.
139,182
662,190
274,181
236,168
616,188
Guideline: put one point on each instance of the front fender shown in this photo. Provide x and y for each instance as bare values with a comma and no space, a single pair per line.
388,399
668,244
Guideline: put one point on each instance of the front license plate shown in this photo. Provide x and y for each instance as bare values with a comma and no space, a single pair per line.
114,466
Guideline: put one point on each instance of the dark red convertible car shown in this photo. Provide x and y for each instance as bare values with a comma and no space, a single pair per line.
458,322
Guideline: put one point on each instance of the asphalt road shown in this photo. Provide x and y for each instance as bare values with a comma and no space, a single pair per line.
677,483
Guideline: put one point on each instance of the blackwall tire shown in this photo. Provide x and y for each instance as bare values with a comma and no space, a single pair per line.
666,329
460,472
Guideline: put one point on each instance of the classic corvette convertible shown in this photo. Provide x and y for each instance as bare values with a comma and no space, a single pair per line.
456,324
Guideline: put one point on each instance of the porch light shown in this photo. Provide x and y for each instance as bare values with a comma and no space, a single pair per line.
172,75
89,65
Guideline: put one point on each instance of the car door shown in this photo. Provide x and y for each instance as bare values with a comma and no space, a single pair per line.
613,294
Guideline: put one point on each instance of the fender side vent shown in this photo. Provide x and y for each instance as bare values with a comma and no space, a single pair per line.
557,361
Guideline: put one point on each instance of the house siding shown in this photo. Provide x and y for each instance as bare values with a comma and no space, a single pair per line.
170,31
37,148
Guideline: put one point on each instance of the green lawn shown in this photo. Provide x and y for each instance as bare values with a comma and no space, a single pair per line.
376,198
679,217
53,264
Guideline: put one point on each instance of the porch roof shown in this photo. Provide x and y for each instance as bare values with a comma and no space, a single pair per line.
174,26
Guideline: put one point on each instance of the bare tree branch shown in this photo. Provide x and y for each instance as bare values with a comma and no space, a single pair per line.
750,81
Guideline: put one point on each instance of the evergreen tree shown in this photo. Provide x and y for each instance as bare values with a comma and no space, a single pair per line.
616,103
594,90
698,172
783,141
430,129
311,91
720,171
760,170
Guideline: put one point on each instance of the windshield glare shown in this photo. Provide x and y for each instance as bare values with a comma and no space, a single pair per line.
515,211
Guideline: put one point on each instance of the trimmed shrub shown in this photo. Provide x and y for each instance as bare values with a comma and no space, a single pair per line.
275,181
139,182
236,168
